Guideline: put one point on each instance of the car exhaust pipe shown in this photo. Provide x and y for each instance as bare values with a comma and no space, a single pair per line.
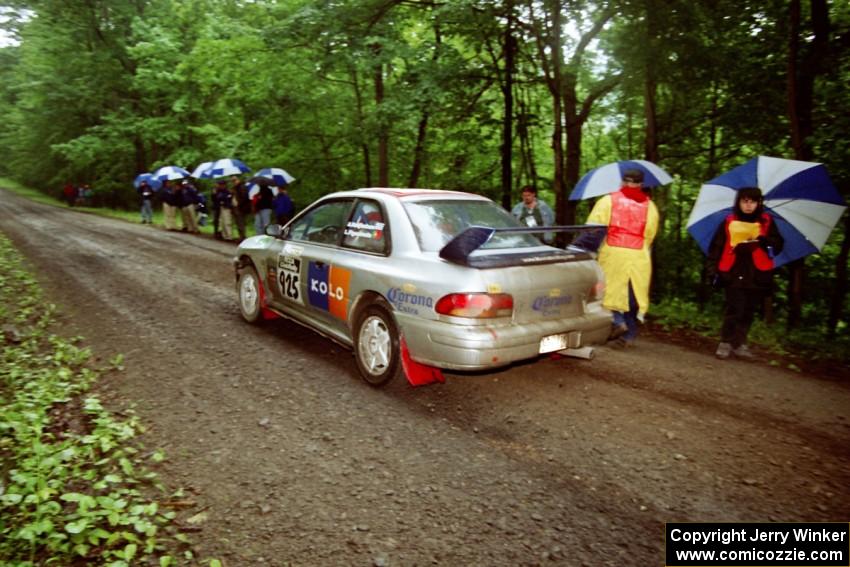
586,352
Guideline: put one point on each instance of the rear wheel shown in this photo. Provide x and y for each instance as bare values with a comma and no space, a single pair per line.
249,294
376,346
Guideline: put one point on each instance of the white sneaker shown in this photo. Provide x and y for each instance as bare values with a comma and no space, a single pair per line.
744,352
723,351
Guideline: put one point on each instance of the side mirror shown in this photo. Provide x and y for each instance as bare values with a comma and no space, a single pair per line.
275,230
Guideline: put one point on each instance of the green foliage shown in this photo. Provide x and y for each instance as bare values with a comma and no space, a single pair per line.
73,484
807,343
315,86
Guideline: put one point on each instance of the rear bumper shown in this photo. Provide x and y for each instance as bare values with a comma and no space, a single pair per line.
462,347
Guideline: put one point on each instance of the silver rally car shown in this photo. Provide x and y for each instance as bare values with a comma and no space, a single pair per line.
415,280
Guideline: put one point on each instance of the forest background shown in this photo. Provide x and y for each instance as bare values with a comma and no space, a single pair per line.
481,96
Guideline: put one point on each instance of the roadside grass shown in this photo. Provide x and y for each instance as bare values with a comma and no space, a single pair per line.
793,349
75,487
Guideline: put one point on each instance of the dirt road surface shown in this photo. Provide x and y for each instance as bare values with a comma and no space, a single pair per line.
296,461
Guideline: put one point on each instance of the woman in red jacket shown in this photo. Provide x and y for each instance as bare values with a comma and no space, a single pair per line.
740,260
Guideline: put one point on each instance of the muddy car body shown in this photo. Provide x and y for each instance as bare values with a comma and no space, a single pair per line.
422,279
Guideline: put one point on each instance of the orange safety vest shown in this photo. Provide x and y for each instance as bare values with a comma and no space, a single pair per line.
628,221
761,260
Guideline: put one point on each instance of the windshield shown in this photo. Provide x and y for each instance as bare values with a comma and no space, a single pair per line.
436,222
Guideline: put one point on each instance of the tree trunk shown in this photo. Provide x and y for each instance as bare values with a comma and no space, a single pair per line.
572,171
555,83
508,112
563,86
840,290
710,173
383,127
364,145
419,151
422,130
801,83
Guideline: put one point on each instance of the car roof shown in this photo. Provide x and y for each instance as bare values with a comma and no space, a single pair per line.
402,193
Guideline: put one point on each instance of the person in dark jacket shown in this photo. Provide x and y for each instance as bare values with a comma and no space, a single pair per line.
170,205
146,196
740,260
284,208
188,207
263,206
223,205
241,204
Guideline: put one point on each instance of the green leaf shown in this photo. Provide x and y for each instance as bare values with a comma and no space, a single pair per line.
76,527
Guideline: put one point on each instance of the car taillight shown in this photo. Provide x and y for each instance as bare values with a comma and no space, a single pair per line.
597,291
476,305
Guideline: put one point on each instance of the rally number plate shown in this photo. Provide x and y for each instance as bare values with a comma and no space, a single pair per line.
552,343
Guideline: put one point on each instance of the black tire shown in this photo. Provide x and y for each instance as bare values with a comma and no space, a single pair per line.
249,290
376,346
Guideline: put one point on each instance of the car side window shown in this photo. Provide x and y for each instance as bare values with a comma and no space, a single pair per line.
322,225
367,229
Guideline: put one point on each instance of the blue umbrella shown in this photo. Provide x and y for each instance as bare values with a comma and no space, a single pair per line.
799,195
170,172
278,176
609,178
154,183
225,167
202,171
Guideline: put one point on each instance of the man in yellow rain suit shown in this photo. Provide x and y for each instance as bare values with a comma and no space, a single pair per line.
624,256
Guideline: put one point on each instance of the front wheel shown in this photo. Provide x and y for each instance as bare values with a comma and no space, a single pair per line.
376,346
250,294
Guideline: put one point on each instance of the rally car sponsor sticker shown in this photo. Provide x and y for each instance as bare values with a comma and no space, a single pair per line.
289,278
290,249
372,230
328,288
549,305
409,302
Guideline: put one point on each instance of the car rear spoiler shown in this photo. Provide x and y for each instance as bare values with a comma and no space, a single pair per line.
459,248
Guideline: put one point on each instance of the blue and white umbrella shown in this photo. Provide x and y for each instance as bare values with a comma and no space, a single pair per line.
609,178
170,172
799,195
225,167
203,170
153,182
277,175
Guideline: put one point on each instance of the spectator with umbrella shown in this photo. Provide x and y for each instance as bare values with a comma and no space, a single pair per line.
740,259
284,208
171,202
146,195
188,207
796,208
263,205
223,207
241,204
170,205
146,184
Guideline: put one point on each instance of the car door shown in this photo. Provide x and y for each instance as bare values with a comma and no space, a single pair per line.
309,286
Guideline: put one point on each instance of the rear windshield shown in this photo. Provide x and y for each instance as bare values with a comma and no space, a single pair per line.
436,222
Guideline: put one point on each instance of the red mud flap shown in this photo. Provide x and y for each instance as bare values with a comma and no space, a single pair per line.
418,374
265,312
